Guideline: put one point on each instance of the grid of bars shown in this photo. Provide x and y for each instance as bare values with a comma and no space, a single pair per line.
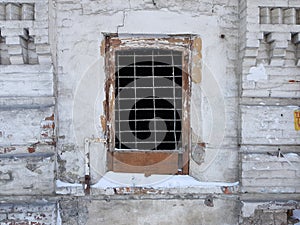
148,99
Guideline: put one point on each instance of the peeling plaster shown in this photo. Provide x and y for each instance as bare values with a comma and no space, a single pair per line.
257,73
197,60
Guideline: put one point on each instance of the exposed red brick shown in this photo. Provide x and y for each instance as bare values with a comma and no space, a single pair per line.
226,190
23,222
48,126
50,117
136,190
37,223
31,149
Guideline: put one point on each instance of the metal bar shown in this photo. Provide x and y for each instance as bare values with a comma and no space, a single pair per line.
119,116
153,92
174,104
134,74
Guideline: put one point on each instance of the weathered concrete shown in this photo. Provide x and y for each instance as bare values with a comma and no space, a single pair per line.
150,212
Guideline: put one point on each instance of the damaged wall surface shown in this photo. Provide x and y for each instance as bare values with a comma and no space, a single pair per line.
242,64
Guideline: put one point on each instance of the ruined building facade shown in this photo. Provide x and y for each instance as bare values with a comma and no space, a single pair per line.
239,74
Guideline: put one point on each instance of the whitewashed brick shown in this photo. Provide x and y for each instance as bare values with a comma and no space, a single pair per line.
28,83
251,52
279,37
265,15
39,173
39,31
273,149
277,62
249,61
290,62
17,59
248,85
15,40
274,182
29,131
252,43
2,12
44,59
282,71
276,16
281,29
13,11
27,11
266,190
278,52
265,173
289,16
255,35
294,3
279,121
285,94
15,49
290,55
256,93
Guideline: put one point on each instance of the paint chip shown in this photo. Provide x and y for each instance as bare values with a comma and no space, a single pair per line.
257,73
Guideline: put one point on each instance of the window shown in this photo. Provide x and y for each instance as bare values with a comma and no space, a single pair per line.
147,104
148,99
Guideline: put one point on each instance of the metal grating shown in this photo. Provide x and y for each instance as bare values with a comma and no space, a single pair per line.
148,99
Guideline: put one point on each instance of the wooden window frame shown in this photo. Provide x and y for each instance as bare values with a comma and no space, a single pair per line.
147,162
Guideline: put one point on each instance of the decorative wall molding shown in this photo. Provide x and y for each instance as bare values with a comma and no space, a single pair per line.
24,37
17,11
278,15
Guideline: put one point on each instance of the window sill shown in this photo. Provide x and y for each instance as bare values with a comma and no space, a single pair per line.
134,183
113,183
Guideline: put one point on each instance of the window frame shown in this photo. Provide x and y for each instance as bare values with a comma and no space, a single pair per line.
141,161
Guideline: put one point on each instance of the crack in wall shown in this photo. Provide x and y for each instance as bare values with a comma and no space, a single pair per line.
123,22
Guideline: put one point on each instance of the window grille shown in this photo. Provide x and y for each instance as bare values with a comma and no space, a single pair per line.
148,99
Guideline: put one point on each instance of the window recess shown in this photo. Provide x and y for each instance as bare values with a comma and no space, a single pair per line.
147,104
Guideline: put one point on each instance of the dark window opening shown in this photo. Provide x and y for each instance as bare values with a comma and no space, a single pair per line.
147,105
148,99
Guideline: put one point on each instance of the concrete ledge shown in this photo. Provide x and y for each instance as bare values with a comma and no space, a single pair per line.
26,102
269,101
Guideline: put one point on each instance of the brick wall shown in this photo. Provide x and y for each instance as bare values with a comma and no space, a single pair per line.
269,143
27,142
28,214
52,79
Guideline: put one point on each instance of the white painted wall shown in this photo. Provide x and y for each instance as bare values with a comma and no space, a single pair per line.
81,77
